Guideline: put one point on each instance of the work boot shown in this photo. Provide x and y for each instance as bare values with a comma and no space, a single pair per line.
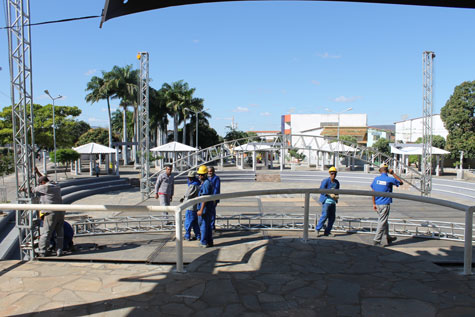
391,240
59,252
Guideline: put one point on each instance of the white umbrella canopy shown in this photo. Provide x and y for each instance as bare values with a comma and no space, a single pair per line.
248,147
174,147
93,148
414,149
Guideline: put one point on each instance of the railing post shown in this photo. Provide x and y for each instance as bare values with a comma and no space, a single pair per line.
179,241
467,259
306,216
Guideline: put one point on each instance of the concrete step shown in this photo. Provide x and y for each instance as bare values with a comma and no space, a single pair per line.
88,180
75,188
70,198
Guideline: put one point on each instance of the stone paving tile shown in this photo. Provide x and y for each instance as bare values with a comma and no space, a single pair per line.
278,276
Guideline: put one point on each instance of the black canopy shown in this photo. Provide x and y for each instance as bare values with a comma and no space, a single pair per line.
117,8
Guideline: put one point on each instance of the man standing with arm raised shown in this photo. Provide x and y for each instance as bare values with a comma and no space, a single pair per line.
384,183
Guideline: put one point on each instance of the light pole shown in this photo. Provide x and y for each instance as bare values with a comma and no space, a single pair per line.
196,115
339,113
54,134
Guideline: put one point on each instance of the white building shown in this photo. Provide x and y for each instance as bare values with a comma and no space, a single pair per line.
408,131
303,123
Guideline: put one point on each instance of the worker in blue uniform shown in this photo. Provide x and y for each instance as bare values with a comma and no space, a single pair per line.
328,202
205,209
384,183
191,217
216,181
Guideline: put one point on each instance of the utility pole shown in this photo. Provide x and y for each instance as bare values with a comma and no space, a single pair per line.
427,114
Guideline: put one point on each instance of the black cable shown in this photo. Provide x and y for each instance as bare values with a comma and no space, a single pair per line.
56,21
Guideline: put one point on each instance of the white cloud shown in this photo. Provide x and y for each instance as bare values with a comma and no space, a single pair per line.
90,72
265,114
241,109
328,55
315,82
96,121
346,99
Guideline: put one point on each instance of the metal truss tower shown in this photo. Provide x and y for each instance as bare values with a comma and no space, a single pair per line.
427,113
144,125
19,47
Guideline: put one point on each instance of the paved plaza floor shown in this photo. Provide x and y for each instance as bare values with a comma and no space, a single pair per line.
248,274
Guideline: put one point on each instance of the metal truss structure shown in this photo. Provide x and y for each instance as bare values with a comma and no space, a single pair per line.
147,224
427,112
144,124
301,142
19,48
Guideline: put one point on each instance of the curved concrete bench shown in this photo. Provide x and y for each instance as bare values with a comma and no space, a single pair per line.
71,191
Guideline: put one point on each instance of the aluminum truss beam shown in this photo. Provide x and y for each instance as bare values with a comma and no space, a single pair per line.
147,223
144,124
427,113
19,48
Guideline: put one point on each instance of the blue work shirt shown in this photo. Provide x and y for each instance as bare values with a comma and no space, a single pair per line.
327,184
216,181
384,183
206,189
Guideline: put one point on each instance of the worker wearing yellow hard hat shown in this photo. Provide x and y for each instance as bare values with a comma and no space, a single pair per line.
328,202
205,209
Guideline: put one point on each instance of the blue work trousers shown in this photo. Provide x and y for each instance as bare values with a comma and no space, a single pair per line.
191,222
213,215
205,227
328,212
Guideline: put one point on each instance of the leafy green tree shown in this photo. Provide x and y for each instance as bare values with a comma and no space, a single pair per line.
6,165
457,115
158,113
234,134
382,145
101,88
347,138
98,135
295,154
437,141
67,127
65,156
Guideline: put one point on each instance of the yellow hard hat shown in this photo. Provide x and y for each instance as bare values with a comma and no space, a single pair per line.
202,170
332,169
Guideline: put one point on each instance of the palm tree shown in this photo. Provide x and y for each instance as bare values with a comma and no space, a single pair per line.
158,113
124,84
100,89
176,96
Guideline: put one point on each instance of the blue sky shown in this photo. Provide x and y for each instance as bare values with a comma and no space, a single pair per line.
258,60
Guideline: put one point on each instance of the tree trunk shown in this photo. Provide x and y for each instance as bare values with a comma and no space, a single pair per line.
175,127
184,130
124,137
134,147
110,122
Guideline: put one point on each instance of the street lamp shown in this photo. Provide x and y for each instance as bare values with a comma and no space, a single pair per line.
54,134
196,114
339,113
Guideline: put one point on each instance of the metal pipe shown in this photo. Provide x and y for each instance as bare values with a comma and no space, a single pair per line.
179,240
305,217
467,256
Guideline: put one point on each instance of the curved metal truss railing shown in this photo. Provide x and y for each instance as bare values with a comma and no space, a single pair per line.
301,142
145,224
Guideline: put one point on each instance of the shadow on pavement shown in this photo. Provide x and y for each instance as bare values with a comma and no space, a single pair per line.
284,276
